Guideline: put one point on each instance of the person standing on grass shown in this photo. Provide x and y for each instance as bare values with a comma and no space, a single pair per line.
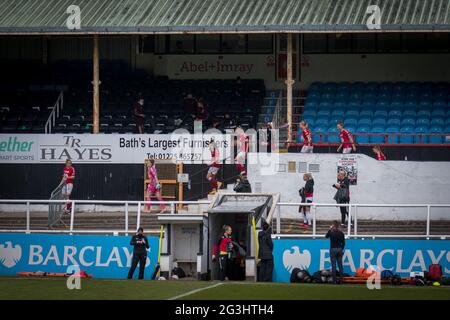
140,243
337,245
265,250
307,140
347,142
222,252
378,153
342,195
67,180
153,188
307,193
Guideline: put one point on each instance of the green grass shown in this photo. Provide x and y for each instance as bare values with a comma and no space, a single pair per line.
55,288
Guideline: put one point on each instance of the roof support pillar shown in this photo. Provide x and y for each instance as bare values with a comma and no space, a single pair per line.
95,84
289,84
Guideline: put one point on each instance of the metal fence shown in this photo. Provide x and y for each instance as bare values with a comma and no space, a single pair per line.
351,232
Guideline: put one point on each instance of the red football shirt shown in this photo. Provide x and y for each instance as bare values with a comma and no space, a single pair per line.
306,137
70,173
345,137
381,156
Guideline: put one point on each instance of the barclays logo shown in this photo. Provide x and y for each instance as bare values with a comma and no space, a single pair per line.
295,258
10,255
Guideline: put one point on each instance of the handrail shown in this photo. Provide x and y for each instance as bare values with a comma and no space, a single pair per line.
353,212
59,105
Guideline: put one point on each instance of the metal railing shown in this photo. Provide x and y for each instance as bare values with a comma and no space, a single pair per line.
353,217
59,105
351,232
171,204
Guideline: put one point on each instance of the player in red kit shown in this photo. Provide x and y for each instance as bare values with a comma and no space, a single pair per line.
378,153
67,180
347,143
214,166
243,147
307,140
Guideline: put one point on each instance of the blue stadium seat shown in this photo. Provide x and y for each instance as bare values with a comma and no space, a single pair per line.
439,104
410,104
311,104
435,139
380,114
352,114
425,104
408,122
329,87
438,113
437,122
364,122
354,104
350,122
314,95
338,114
406,129
383,104
325,105
393,129
358,86
309,120
343,86
393,122
372,87
340,101
409,113
423,122
423,113
335,138
369,96
322,113
366,113
327,96
421,129
309,113
321,122
397,104
395,113
368,105
379,122
319,129
377,139
362,139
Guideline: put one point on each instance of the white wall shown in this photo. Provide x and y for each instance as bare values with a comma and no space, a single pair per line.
389,182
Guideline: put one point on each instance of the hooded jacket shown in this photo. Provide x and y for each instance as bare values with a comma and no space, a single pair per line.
265,245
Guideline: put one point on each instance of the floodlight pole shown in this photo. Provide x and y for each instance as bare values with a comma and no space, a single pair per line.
95,84
289,84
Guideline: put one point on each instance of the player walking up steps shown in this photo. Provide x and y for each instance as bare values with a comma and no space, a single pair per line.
307,140
214,166
243,147
347,143
154,188
67,180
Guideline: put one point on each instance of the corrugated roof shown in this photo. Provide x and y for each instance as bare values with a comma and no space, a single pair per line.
198,16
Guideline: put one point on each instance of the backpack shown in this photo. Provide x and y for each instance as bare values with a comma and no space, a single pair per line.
300,276
179,272
435,272
294,278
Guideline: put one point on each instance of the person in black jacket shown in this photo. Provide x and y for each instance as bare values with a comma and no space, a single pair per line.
140,243
242,184
337,245
307,194
343,194
265,253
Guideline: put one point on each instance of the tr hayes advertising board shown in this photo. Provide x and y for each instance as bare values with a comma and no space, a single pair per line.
399,256
113,148
101,256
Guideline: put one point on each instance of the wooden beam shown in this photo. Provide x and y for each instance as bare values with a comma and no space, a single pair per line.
96,84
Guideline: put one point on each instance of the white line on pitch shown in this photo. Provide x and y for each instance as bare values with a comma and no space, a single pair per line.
195,291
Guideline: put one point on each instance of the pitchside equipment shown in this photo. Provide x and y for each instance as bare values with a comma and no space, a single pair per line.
56,210
158,267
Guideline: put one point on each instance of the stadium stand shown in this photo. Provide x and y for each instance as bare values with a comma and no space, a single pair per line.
378,108
26,107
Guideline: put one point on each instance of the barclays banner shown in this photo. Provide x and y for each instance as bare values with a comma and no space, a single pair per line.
399,256
101,256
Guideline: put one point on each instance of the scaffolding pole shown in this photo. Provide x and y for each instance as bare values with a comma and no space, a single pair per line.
96,84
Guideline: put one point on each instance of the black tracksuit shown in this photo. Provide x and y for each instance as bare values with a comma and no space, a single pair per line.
140,244
344,210
266,256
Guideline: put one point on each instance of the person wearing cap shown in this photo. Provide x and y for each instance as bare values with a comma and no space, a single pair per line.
140,243
265,253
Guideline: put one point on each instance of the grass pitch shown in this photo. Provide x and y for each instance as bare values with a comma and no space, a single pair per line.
14,288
